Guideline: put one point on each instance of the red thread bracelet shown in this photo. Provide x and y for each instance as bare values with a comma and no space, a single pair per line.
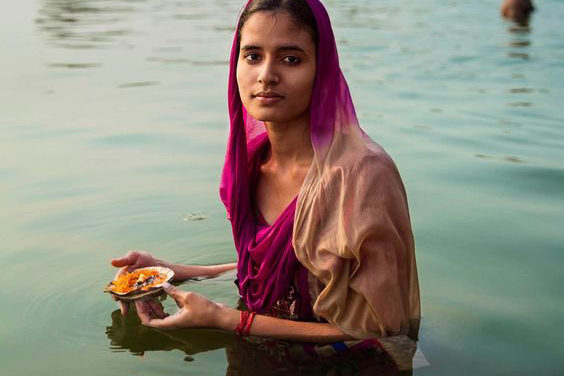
244,317
247,327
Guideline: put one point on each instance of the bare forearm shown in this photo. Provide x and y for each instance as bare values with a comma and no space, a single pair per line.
183,272
272,327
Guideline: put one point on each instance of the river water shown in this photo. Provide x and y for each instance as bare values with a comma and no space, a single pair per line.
113,125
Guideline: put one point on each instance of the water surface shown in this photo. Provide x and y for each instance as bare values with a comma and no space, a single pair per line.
113,129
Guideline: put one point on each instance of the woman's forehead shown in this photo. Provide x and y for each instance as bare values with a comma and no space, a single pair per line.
273,30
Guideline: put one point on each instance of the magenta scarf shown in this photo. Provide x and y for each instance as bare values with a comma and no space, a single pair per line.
267,262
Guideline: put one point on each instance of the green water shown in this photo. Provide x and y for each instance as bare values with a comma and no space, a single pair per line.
113,126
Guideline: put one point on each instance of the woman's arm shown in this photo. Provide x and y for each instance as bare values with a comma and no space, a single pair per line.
184,272
272,327
196,311
140,259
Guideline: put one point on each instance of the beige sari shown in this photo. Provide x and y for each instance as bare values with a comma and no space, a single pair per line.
352,232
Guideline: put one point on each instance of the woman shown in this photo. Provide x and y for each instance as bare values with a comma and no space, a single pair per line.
318,210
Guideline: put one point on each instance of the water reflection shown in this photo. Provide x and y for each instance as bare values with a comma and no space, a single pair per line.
74,65
138,84
519,45
187,61
127,334
88,24
506,158
256,356
85,23
520,40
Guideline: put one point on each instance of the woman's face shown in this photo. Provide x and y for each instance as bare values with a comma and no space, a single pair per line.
276,67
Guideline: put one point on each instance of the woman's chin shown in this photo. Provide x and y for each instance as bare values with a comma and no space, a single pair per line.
269,115
276,113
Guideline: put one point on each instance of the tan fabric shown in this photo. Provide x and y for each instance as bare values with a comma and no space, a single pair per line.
352,231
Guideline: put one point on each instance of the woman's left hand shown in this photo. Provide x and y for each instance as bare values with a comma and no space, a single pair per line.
196,311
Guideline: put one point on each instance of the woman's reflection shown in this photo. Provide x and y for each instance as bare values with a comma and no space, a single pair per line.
126,332
248,355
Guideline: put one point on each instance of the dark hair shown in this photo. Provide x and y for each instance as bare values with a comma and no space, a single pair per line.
299,10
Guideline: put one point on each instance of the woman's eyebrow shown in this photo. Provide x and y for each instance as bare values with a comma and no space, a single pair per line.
287,47
249,47
290,47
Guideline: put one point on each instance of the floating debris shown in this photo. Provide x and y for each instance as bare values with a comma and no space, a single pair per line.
520,104
74,65
138,84
506,158
195,216
521,90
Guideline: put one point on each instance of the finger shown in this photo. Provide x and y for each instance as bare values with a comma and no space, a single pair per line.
125,260
123,307
170,322
157,309
143,311
175,293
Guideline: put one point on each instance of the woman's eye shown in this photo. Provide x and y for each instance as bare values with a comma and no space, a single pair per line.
252,57
292,60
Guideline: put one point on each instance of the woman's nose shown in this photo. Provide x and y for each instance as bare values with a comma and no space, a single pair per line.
268,74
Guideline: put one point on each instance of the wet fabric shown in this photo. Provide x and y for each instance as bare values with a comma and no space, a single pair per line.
259,356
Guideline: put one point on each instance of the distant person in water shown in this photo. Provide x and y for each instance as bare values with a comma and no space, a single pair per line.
517,10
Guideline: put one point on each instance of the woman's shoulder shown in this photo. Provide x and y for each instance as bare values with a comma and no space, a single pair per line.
368,160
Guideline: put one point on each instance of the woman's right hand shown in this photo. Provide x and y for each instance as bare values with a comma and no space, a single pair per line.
130,261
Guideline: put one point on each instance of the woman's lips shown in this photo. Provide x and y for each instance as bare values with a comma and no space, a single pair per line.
268,98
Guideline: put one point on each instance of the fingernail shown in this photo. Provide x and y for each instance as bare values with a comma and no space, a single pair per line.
167,286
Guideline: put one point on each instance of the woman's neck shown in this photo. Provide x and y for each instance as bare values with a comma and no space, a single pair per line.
290,144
